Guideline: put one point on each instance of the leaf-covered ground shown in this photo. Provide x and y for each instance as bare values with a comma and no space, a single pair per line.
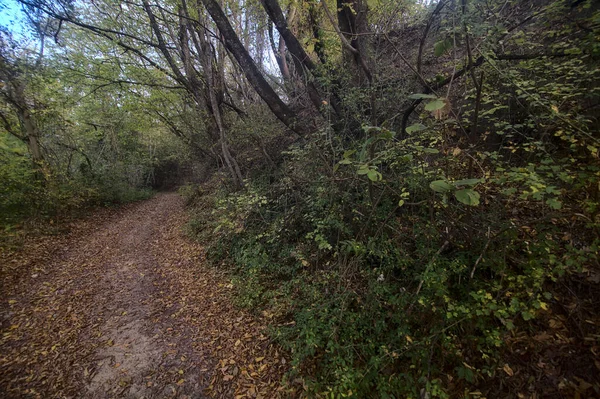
122,306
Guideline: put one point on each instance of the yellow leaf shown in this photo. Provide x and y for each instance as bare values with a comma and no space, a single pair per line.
409,339
180,371
508,370
259,359
181,381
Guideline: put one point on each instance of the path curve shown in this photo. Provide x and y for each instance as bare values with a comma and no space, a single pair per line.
123,308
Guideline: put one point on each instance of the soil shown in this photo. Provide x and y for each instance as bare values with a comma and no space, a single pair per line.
123,306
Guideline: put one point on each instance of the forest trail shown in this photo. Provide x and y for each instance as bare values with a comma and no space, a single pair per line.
120,307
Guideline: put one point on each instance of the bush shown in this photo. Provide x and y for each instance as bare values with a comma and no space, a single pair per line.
379,277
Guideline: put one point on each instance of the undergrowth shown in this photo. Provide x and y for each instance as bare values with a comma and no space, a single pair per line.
387,287
414,266
456,259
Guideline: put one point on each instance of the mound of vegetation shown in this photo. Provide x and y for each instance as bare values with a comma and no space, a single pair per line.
457,257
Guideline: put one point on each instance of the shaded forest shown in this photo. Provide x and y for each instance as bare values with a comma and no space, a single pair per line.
408,191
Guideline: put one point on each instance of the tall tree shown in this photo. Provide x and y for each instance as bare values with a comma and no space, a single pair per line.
251,70
14,68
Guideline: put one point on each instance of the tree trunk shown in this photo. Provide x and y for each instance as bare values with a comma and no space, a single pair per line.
300,56
251,71
353,25
32,132
205,54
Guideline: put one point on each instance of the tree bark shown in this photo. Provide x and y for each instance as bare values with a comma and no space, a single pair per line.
205,53
251,71
300,56
353,27
32,132
232,164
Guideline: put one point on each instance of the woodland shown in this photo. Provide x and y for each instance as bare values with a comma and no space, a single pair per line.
405,192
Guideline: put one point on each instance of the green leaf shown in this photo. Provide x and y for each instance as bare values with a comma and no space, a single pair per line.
440,186
363,170
435,105
374,175
554,203
526,315
415,128
345,162
400,203
441,47
431,150
385,134
467,182
421,96
468,197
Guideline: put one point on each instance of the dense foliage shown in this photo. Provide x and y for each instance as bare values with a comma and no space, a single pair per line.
93,144
409,191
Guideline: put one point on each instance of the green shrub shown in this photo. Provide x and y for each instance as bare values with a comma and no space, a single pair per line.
376,295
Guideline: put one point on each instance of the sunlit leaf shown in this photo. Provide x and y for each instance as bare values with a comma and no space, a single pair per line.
440,186
435,105
374,175
421,96
415,128
467,196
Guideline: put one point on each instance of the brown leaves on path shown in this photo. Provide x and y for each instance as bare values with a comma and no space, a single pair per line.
245,364
124,306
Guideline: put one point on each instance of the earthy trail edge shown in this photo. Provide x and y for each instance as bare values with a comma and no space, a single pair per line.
122,307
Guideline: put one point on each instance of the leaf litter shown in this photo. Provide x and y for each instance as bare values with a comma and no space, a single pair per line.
123,305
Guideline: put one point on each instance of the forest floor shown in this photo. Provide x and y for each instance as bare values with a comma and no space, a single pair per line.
121,304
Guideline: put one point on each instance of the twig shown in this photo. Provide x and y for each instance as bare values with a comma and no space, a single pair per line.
436,11
487,244
408,64
429,265
454,53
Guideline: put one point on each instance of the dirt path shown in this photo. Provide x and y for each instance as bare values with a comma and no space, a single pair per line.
121,307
